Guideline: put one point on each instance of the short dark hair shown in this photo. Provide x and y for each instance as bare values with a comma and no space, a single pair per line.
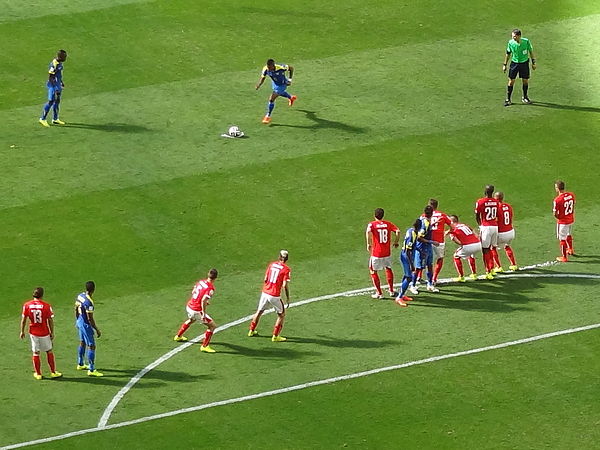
489,190
517,31
417,224
560,184
90,286
379,213
270,62
433,202
454,217
38,292
213,274
428,210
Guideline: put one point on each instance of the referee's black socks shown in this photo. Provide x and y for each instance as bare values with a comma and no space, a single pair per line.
509,90
525,89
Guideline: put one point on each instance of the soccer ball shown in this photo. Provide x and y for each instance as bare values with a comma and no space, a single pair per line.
234,131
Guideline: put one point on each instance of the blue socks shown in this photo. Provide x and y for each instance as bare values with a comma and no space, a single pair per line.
91,359
80,353
270,107
45,111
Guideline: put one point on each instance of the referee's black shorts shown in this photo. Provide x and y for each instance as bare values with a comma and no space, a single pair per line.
521,69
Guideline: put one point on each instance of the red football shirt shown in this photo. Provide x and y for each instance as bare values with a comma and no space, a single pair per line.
277,272
38,312
564,208
464,234
202,289
381,230
505,218
487,210
438,221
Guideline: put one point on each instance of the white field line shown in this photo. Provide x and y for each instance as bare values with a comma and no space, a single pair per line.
298,387
137,377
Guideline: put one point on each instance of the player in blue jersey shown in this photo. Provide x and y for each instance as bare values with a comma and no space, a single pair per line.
407,261
85,323
55,86
280,83
424,252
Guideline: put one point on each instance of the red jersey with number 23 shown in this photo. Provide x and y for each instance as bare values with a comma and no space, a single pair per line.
202,289
381,231
438,221
505,217
487,210
464,234
277,272
38,313
564,208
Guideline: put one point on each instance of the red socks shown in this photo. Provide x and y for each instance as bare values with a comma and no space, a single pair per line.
207,335
376,283
253,325
563,248
473,264
51,362
277,330
438,268
389,275
570,242
510,255
459,267
183,328
36,364
495,257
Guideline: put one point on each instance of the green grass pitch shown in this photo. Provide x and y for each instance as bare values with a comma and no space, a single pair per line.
397,103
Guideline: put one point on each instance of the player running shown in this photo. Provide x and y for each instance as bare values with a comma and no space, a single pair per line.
564,212
486,215
85,323
277,277
378,235
41,331
469,245
55,86
407,259
506,233
439,221
196,310
279,83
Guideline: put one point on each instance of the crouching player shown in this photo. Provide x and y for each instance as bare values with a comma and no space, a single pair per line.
469,245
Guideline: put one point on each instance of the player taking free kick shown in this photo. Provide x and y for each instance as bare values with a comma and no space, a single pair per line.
196,310
277,277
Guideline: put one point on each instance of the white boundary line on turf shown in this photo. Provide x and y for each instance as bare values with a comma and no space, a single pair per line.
298,387
137,377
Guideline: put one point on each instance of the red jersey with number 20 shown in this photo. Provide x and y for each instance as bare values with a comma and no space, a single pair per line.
487,210
381,231
464,234
277,272
202,289
564,208
38,313
505,217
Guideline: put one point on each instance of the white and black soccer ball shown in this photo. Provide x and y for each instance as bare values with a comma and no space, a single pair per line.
235,132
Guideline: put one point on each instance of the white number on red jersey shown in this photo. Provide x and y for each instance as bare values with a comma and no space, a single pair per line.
568,205
491,212
383,236
506,218
37,315
273,274
465,229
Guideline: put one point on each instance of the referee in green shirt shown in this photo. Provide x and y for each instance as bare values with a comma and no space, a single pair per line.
519,50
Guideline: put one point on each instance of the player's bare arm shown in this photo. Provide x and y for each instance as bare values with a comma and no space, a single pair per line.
506,58
93,323
531,55
291,70
287,293
260,82
51,327
369,238
396,239
23,321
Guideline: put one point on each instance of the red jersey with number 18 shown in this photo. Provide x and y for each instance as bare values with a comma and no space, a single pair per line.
505,218
564,208
464,234
487,210
381,231
202,289
277,272
38,313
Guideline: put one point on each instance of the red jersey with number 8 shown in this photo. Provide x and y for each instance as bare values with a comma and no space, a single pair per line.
277,272
564,208
381,231
38,313
505,218
487,210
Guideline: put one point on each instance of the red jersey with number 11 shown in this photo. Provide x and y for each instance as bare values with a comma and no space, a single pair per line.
487,210
381,231
564,208
38,313
505,217
277,272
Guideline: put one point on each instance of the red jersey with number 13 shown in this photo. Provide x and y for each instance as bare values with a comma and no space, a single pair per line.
564,208
505,218
487,210
277,272
38,313
381,231
202,289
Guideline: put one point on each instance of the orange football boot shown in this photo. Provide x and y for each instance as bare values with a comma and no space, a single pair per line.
266,119
291,100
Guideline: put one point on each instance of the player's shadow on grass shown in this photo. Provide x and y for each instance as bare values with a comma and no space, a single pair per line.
585,259
320,123
109,127
114,377
278,350
342,343
568,107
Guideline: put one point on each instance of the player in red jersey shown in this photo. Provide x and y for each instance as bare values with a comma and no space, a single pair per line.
378,245
196,310
41,331
469,245
277,277
564,212
439,221
486,214
506,233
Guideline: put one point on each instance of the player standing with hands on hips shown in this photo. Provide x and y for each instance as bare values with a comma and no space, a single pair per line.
518,50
